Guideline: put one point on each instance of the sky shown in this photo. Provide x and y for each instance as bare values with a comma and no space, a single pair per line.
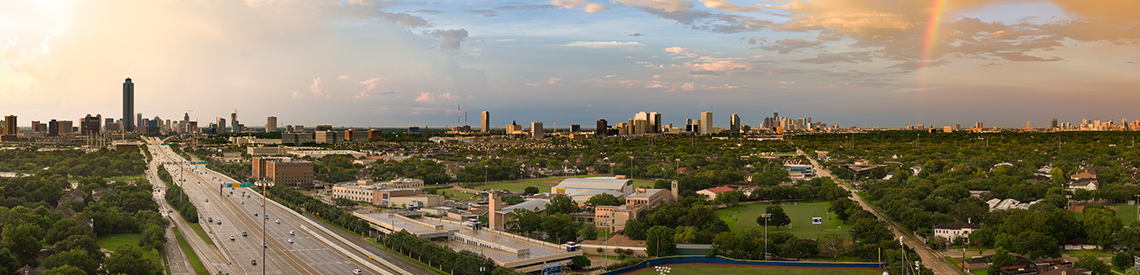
884,63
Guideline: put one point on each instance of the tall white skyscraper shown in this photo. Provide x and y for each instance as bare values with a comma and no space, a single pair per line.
485,121
706,123
536,130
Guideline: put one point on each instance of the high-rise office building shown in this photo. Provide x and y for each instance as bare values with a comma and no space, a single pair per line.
128,105
271,124
186,117
65,127
655,122
221,122
53,128
10,127
234,123
89,125
38,127
734,123
574,128
485,121
536,130
602,128
978,125
1053,123
706,123
138,121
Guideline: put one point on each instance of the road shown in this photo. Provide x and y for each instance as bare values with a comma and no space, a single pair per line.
313,249
210,255
929,258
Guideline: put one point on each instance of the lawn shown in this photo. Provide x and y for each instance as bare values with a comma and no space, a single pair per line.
113,241
1127,213
202,233
199,268
746,270
456,194
800,213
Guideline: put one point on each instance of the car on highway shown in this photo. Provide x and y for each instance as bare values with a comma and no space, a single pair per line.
291,232
255,214
278,221
243,234
265,244
357,271
219,221
254,262
243,202
231,237
207,199
290,240
210,219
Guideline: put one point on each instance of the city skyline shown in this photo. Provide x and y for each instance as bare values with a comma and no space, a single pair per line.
394,64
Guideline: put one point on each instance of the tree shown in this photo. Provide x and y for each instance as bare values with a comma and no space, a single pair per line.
1001,258
75,257
777,219
128,259
870,231
635,229
530,190
1100,223
659,241
66,270
1058,176
603,199
82,242
561,204
839,207
1123,260
513,200
1129,237
799,248
685,234
730,198
1098,267
589,231
561,227
21,239
64,228
581,262
831,245
524,220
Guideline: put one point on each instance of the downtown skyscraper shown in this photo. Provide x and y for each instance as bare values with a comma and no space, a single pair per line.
128,106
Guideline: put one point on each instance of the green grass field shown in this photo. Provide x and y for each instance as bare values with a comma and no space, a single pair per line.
202,233
745,270
113,241
1127,213
199,268
800,213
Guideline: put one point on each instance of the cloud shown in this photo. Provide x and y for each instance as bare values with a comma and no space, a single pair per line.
524,6
636,34
658,85
785,46
724,5
590,7
430,98
680,52
404,19
1018,56
484,13
603,44
451,38
850,57
549,82
314,89
429,11
683,12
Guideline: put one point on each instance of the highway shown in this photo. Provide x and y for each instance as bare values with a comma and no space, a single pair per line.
312,249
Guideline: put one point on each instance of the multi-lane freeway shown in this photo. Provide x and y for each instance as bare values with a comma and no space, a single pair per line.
290,244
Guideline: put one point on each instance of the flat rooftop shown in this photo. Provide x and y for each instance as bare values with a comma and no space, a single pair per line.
433,228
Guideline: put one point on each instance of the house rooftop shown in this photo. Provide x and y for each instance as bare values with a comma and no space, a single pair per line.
957,225
719,189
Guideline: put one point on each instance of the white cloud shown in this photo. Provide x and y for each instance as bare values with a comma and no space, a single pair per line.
603,44
590,7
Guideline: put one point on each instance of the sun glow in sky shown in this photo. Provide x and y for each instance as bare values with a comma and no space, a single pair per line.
400,63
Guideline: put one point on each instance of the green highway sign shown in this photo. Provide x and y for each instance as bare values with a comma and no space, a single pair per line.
236,185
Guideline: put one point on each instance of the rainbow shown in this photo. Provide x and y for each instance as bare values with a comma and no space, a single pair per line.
931,34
